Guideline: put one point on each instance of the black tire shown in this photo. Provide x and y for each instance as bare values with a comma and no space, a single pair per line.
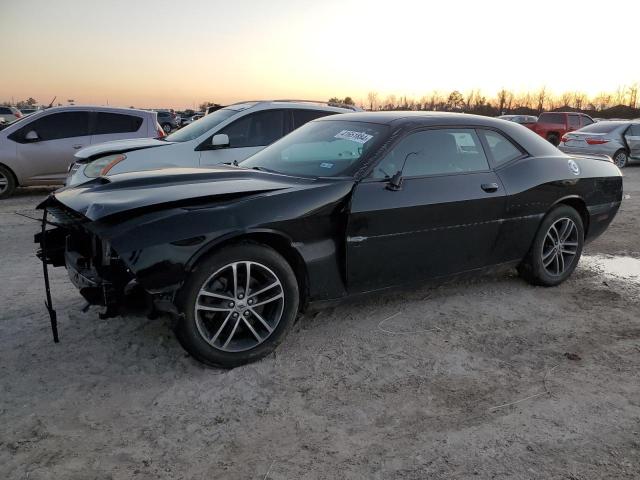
621,158
7,182
166,127
213,271
553,139
533,268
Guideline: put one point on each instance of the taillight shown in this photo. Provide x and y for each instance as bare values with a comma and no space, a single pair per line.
160,131
564,139
597,141
18,115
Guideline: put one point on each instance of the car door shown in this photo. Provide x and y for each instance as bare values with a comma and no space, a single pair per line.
47,156
107,126
247,135
443,219
632,137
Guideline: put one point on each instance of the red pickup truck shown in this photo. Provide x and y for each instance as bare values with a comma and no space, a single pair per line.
553,125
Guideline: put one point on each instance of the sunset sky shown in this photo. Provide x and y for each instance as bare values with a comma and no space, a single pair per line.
180,53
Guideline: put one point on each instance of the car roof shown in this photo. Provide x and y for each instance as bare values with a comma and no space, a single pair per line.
301,104
97,108
530,141
420,118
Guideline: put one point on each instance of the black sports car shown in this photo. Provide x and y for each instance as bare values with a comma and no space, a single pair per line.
344,205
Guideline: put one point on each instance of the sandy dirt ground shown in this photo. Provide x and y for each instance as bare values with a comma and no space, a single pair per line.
484,378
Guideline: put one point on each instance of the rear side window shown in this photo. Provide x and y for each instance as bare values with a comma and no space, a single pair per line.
502,150
585,121
634,131
116,123
435,152
551,118
6,110
57,126
256,129
300,117
574,122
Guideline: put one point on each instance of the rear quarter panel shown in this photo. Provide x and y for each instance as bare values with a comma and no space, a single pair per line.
535,184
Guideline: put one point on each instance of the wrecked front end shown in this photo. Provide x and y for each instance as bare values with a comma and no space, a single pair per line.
98,272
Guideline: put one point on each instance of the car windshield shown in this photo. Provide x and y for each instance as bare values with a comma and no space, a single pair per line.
206,123
602,127
323,148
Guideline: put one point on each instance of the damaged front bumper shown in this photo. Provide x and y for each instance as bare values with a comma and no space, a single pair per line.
98,273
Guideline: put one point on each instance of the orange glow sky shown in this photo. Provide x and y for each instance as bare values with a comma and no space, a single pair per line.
157,53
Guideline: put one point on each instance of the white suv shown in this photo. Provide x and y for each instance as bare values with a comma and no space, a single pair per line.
38,149
230,134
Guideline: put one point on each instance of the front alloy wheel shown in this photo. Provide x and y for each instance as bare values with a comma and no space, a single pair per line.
237,305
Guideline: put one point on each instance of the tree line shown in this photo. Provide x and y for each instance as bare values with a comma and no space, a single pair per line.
623,103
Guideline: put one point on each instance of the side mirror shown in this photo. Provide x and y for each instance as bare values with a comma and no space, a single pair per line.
221,140
395,182
31,136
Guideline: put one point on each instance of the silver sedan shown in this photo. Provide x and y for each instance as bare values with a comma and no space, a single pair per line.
620,140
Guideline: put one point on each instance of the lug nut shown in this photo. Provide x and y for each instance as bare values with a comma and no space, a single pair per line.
246,313
241,296
231,304
250,302
235,315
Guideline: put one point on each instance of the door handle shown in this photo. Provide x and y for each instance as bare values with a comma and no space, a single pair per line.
76,147
489,187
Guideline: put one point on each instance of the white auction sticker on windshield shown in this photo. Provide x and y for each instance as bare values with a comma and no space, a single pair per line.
359,137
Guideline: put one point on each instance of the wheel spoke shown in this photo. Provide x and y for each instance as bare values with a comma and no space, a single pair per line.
234,268
215,295
233,332
550,259
560,263
268,287
548,254
269,300
255,334
212,309
215,337
262,320
246,288
564,249
565,226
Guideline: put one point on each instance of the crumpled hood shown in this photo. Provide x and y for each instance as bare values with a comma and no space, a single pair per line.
119,146
138,191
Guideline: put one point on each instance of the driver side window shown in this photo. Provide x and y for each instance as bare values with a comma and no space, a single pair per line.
434,152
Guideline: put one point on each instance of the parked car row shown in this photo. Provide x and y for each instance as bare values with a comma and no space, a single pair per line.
38,149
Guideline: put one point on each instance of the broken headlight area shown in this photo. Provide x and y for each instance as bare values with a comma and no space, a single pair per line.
94,268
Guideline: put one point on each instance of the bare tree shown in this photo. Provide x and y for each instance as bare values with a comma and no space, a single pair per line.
633,95
372,97
541,99
579,99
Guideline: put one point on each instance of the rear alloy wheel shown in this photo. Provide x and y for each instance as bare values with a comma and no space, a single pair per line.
238,305
620,158
166,127
7,182
556,249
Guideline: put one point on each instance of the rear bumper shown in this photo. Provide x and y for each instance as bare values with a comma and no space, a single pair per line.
600,216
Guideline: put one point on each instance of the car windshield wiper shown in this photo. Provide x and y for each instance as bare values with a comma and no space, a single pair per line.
264,169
